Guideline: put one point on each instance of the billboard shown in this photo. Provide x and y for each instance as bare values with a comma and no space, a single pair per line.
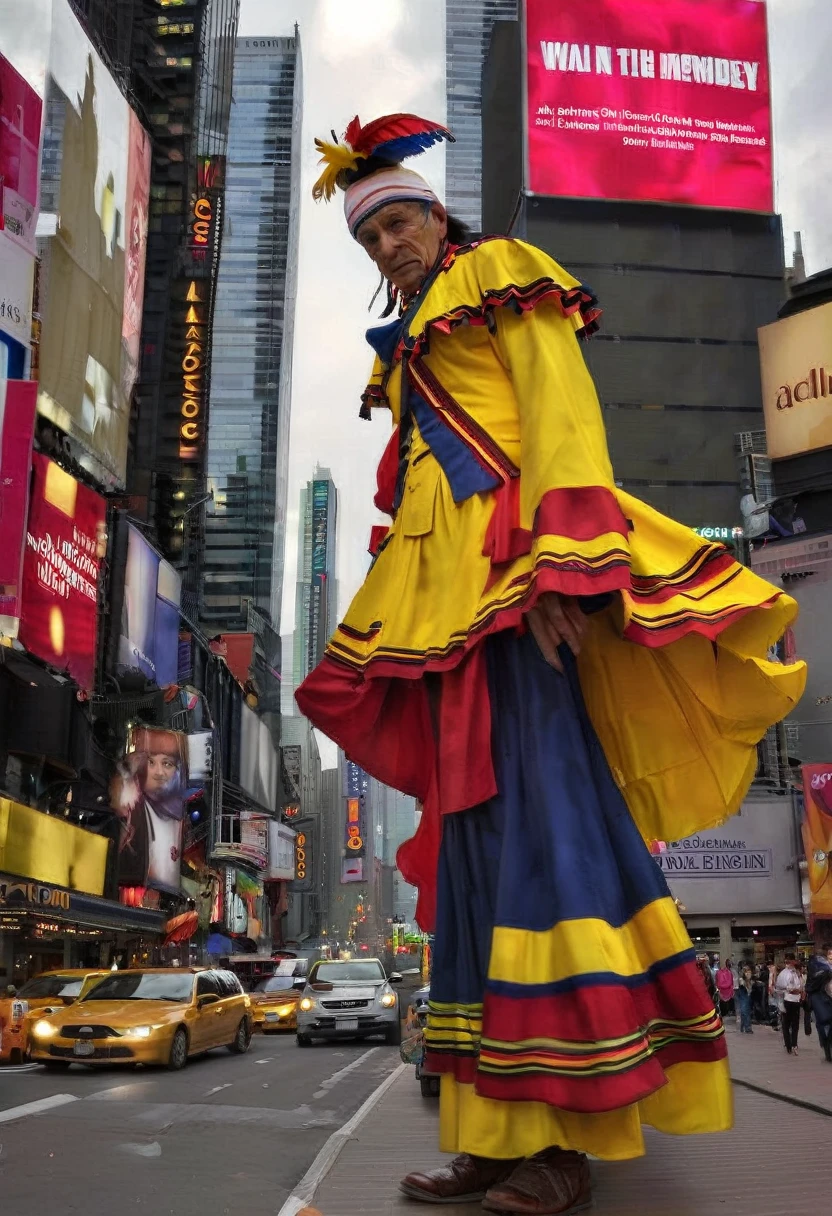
258,759
17,272
148,795
281,852
17,422
65,541
817,836
149,640
94,204
796,371
20,119
654,100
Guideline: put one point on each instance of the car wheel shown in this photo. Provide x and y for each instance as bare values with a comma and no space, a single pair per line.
242,1039
178,1057
393,1034
304,1040
55,1065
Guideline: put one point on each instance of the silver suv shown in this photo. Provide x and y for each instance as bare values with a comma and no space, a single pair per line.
350,999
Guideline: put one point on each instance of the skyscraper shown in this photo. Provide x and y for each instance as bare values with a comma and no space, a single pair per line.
251,357
468,25
316,597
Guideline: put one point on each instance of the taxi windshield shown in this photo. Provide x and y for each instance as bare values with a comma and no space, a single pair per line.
143,986
276,983
51,986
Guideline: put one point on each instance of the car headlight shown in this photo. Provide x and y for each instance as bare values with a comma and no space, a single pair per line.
388,1000
140,1032
284,1011
307,1003
44,1030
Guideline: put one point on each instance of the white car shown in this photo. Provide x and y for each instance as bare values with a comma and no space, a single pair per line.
352,999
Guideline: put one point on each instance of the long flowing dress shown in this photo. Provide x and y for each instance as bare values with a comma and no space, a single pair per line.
566,1004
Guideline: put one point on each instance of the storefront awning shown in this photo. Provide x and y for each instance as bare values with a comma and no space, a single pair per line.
71,907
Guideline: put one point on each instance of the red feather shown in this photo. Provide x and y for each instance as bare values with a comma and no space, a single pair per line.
371,138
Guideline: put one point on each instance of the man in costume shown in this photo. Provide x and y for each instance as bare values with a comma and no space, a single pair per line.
560,674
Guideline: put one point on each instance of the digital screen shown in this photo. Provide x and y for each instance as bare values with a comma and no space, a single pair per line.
651,100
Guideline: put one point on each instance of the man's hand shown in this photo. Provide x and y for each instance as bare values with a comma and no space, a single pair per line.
556,619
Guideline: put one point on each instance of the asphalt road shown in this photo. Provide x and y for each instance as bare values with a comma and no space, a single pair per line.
227,1134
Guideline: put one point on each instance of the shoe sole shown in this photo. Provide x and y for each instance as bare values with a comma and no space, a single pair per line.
578,1207
413,1192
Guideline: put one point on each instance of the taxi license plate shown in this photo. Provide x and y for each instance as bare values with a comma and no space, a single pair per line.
348,1024
83,1049
271,1017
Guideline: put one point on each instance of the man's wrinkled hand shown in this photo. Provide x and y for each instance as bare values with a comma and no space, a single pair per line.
556,619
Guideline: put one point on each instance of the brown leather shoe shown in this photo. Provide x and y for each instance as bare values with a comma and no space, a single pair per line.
550,1183
465,1180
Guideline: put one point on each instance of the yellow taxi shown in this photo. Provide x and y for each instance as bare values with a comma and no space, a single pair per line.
274,1001
51,991
147,1016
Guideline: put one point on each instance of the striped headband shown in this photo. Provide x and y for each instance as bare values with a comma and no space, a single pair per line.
394,185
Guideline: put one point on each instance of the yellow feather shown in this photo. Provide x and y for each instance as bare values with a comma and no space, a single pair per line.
337,159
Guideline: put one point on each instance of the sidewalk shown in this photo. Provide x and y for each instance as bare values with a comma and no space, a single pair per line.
774,1143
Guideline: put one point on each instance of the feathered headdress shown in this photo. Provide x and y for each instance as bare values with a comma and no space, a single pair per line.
382,143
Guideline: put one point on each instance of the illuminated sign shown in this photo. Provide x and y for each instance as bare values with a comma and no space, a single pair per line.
201,223
193,374
354,839
292,811
301,856
13,892
719,533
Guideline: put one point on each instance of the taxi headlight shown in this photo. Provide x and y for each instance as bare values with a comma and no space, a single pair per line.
44,1029
140,1032
307,1003
284,1011
388,1000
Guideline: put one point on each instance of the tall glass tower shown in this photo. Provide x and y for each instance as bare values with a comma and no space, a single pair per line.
251,356
468,25
316,597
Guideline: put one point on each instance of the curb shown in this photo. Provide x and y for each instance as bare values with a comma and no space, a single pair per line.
305,1190
773,1093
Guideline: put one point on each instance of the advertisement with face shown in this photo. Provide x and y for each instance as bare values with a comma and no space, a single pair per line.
149,640
17,423
87,146
817,836
148,795
65,541
20,119
138,194
657,100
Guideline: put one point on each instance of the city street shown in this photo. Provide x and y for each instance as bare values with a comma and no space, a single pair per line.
228,1134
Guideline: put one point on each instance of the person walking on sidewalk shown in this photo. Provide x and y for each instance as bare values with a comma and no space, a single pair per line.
562,676
745,987
819,992
790,991
725,987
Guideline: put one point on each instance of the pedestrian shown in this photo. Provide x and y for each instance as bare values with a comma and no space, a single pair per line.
819,993
790,991
708,976
745,986
725,987
759,995
538,657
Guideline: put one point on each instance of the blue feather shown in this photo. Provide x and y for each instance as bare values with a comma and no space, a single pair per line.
408,145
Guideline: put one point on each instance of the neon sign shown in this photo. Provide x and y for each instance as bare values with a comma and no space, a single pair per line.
300,856
193,375
201,226
354,841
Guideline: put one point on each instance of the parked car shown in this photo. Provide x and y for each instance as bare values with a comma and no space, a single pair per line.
274,1002
46,993
349,999
148,1016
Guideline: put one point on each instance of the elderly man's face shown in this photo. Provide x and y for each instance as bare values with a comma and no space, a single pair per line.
404,240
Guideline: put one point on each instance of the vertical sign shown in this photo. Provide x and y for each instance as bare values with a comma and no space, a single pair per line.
192,421
317,636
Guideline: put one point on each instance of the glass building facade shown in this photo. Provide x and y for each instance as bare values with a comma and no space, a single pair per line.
252,335
316,596
468,25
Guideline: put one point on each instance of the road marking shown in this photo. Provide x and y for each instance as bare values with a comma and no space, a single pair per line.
35,1108
143,1150
304,1192
18,1068
342,1072
217,1088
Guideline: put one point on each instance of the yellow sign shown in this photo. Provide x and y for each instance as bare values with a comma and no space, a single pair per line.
50,850
193,375
300,856
796,370
201,227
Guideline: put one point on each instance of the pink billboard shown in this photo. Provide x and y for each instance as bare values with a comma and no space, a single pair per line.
654,100
17,424
20,118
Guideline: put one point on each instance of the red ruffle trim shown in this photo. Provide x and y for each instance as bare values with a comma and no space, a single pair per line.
579,513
